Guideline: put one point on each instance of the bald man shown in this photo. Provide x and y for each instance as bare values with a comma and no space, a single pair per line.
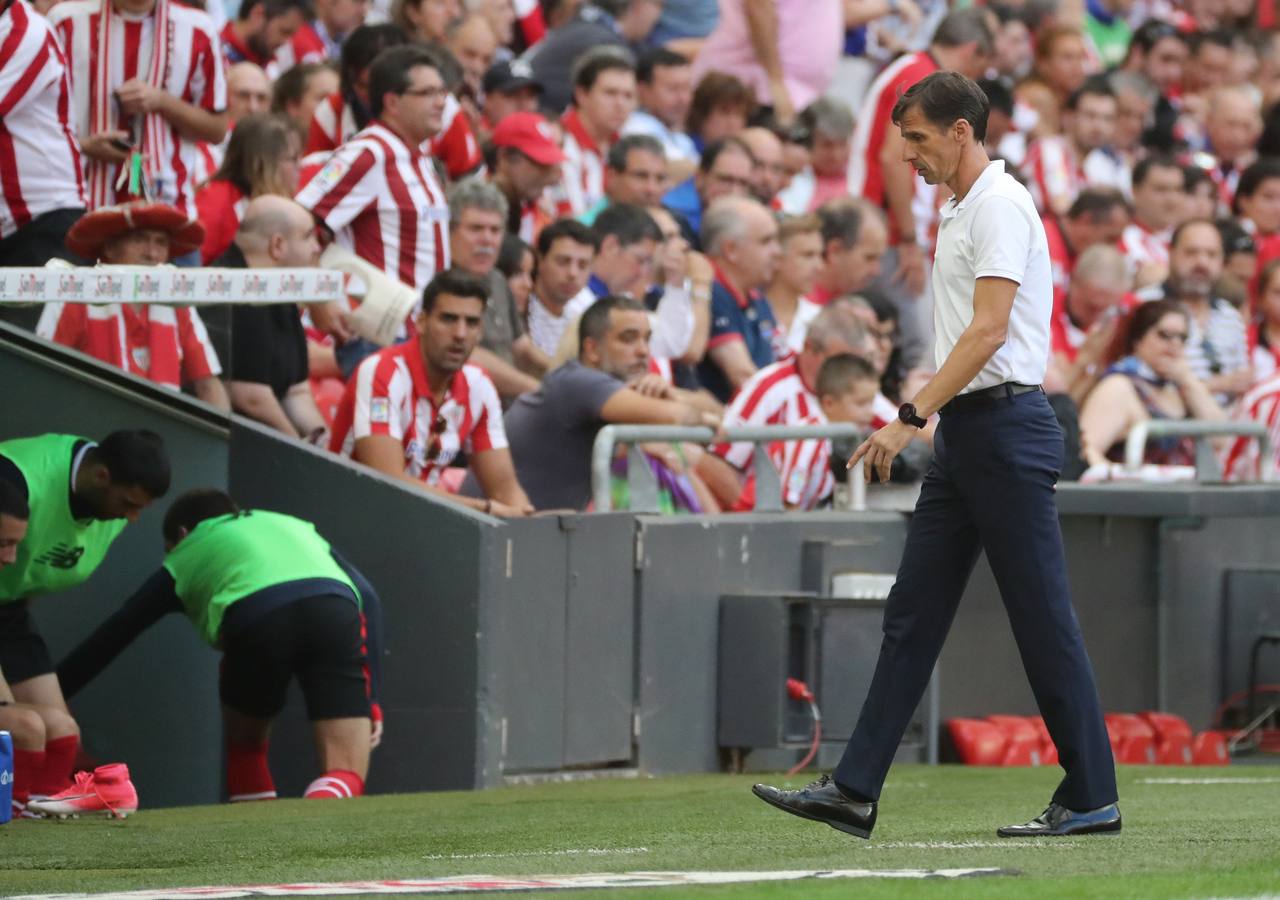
268,372
472,41
248,91
769,175
1233,125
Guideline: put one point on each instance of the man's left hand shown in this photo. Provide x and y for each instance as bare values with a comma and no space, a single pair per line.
878,451
138,97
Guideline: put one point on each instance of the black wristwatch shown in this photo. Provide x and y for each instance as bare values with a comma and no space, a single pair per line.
907,416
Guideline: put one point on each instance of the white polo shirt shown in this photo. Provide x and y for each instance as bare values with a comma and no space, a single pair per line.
994,232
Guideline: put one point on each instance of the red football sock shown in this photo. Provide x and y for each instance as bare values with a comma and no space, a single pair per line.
248,776
27,766
59,756
336,784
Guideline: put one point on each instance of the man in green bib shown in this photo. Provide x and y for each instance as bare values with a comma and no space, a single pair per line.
80,495
270,592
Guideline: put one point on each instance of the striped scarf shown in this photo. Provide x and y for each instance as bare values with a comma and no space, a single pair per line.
155,140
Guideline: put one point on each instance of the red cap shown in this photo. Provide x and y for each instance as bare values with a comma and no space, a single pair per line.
94,229
532,135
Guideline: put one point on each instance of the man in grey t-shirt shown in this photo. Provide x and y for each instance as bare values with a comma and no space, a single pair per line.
552,430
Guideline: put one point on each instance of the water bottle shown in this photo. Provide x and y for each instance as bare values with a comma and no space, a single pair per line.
6,777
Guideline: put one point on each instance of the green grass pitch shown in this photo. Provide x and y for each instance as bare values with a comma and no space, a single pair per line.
1186,840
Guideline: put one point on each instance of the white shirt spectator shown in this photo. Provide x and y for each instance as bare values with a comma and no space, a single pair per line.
1219,347
676,144
994,231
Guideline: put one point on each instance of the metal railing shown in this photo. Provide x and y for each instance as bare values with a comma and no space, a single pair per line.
643,486
1207,468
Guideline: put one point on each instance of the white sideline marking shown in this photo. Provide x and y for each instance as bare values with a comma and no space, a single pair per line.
1208,781
462,884
1047,843
584,851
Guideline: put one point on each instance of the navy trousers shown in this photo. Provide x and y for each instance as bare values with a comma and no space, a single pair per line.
990,487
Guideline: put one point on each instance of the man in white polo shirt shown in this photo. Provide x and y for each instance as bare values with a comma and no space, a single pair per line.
998,451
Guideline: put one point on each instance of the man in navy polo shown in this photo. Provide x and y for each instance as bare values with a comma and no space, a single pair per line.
740,237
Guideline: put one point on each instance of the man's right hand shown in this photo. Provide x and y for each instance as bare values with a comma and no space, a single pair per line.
910,271
332,318
100,146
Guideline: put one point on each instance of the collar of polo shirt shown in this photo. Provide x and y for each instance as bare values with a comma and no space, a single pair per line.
994,170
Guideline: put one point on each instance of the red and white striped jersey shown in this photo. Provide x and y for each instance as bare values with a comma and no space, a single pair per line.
389,395
304,46
804,467
333,122
1260,404
776,395
529,17
582,173
1142,247
866,176
382,201
1055,172
165,344
883,411
195,73
39,155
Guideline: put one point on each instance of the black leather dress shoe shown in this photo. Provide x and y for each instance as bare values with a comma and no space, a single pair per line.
822,801
1058,821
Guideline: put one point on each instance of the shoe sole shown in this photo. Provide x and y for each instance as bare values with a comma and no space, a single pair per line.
1104,828
98,813
863,833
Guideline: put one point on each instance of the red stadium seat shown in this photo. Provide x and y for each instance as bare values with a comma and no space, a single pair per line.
1209,748
1022,740
328,394
1137,740
1173,738
977,743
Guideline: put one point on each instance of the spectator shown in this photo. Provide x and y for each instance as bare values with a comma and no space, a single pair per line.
720,108
1098,216
298,92
1202,194
780,394
527,161
378,194
1216,348
1261,405
1062,60
267,374
176,98
604,85
1014,47
725,170
1002,139
770,176
686,273
1136,99
44,193
1152,380
321,38
1257,204
1209,66
515,262
664,89
963,42
261,158
472,42
1240,262
1061,165
830,126
1158,185
477,216
635,172
785,50
425,21
685,24
741,240
1107,30
566,249
1159,51
553,430
1264,331
167,345
248,91
794,281
597,24
260,28
501,16
508,87
853,247
346,111
411,409
1084,329
1233,125
627,242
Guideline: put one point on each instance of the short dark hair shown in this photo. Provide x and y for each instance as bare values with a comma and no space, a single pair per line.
455,283
1252,178
1097,203
1144,317
998,94
135,458
389,73
511,254
291,86
839,373
1235,239
362,47
943,98
1192,223
566,228
620,149
275,8
1156,161
1095,86
965,26
712,152
594,323
594,63
841,221
658,58
629,223
1194,176
1222,37
1152,32
194,507
12,503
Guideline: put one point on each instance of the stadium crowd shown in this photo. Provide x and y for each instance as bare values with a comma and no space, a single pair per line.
632,211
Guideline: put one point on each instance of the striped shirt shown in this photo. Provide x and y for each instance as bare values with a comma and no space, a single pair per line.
1144,248
309,44
382,201
1260,404
195,73
1216,348
39,155
776,395
389,396
334,122
164,344
582,172
804,467
1057,174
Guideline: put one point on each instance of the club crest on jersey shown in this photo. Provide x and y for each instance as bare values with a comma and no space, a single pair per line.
380,410
332,173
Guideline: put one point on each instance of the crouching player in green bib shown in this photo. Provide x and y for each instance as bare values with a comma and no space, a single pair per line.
269,591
